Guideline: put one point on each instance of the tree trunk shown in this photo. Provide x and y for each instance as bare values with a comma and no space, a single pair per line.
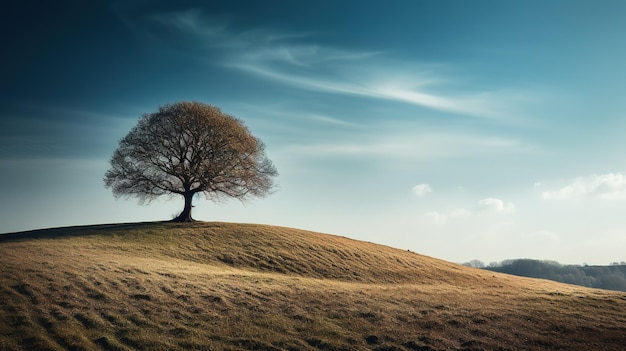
185,216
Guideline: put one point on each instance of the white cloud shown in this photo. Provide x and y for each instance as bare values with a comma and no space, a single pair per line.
422,189
280,57
475,215
603,186
428,145
435,217
329,120
495,206
325,78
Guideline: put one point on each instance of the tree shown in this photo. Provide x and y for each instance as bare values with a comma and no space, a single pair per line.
475,263
190,148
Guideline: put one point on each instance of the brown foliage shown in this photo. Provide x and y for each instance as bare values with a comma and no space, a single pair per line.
188,148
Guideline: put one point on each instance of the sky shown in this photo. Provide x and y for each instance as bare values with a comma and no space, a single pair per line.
461,130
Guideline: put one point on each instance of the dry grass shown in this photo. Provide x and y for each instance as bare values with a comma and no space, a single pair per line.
220,286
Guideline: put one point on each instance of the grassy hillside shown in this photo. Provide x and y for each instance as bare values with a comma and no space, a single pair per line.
222,286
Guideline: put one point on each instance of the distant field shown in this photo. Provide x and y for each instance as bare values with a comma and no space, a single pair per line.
224,286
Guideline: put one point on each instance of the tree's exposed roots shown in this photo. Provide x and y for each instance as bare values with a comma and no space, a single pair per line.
180,219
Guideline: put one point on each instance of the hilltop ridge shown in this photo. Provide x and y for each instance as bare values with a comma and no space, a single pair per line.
260,248
214,286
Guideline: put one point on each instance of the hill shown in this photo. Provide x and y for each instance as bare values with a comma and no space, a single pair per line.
224,286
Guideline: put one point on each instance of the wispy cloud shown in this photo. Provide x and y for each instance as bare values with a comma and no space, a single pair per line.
421,190
416,146
295,60
602,186
488,207
335,134
328,120
493,205
374,77
300,61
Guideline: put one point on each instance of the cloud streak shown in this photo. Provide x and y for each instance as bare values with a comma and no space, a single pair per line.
416,146
286,58
602,186
485,207
374,78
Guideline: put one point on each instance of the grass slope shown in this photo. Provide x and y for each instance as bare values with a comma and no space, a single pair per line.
224,286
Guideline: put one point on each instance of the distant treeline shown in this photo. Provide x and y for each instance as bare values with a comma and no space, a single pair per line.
611,277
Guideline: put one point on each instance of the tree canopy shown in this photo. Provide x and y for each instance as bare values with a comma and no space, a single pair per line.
611,277
187,148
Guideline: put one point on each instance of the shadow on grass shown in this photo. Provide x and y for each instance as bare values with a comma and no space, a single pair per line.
83,230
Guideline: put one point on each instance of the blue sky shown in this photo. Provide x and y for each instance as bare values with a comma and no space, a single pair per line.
456,129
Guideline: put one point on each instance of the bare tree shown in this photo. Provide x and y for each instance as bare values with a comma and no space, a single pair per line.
189,148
